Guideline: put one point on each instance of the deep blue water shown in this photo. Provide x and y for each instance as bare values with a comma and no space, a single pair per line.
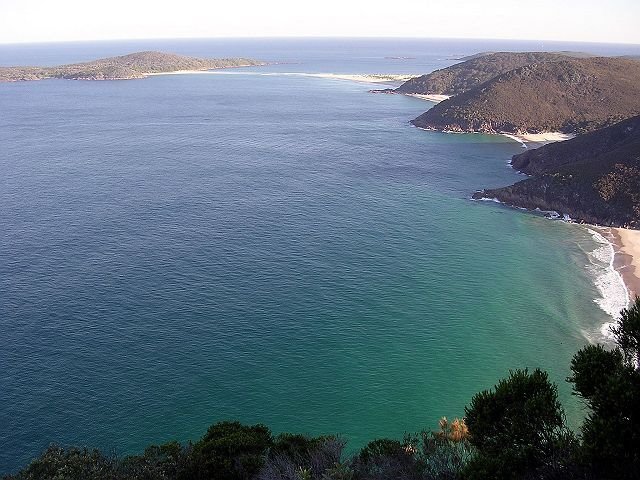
180,250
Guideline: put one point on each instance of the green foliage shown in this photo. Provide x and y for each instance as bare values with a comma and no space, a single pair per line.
609,383
382,447
296,446
158,462
592,368
231,451
442,458
297,457
440,455
514,426
627,333
340,471
386,458
58,463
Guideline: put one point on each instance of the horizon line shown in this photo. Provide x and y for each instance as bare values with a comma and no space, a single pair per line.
318,37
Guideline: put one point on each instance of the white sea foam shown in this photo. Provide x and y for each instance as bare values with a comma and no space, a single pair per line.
613,292
551,214
614,295
487,199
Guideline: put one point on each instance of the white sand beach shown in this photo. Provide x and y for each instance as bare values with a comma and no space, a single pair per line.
177,72
544,137
627,244
431,97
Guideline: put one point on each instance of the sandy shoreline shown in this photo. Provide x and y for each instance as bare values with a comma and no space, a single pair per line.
365,78
431,97
627,257
544,137
201,71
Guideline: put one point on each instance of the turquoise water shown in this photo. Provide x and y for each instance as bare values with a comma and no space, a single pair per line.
181,250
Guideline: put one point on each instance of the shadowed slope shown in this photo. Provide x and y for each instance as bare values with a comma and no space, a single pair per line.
593,178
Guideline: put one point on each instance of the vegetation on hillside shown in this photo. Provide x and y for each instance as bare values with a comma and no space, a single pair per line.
475,70
513,431
571,95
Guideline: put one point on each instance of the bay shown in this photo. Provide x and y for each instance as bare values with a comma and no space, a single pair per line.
283,249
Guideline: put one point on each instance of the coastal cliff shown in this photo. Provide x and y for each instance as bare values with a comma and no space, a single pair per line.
594,178
125,67
571,95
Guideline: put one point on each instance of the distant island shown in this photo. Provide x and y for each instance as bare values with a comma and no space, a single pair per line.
593,178
125,67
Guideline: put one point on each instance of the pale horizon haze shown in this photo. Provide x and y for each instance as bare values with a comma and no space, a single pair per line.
34,21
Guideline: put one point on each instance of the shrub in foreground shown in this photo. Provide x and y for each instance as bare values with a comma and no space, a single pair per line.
609,383
230,451
158,462
58,463
298,457
516,427
386,458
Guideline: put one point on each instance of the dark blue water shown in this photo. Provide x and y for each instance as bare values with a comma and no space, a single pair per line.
180,250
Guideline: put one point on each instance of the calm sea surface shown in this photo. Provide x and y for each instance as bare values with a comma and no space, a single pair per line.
283,249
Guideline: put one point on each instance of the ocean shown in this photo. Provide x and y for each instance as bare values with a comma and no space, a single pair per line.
268,246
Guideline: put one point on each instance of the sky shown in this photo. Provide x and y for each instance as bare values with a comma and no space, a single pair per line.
612,21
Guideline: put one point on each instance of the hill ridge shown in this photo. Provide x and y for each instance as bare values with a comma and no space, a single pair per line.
475,70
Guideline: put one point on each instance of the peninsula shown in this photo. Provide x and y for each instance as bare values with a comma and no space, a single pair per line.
593,178
125,67
560,94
